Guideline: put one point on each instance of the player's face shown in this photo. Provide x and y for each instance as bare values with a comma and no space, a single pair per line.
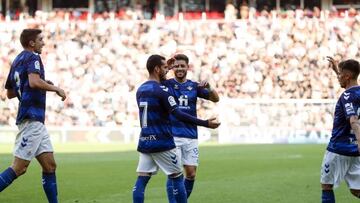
163,70
180,68
343,77
39,43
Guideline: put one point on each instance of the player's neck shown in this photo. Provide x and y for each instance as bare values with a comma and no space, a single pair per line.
351,84
154,78
180,80
29,49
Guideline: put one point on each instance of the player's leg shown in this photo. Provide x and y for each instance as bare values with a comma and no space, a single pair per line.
190,161
352,177
333,170
169,163
49,183
45,157
17,169
169,183
190,173
26,144
146,168
327,195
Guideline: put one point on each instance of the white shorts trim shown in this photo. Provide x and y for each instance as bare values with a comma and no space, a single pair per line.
188,150
32,140
335,168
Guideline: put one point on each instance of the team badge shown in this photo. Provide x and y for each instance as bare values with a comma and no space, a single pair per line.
176,86
37,65
189,88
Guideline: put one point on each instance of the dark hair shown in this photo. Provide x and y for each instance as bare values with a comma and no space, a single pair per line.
351,65
153,61
182,57
28,35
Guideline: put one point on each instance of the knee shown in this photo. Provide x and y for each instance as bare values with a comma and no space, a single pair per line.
190,174
326,187
49,167
356,193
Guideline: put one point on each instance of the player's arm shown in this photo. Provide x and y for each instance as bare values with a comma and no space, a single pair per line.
36,82
355,126
333,64
10,93
212,94
210,123
170,104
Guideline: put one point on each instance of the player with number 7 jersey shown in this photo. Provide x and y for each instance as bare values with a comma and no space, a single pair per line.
156,143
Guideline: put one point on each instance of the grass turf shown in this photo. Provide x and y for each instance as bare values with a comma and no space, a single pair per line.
227,174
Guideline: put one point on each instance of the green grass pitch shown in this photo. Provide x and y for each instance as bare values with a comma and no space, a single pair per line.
227,174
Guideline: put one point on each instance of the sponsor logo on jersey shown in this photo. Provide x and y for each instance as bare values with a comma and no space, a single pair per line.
176,86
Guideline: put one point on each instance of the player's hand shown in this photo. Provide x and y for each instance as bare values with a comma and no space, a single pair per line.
333,64
49,82
213,123
170,62
204,84
61,93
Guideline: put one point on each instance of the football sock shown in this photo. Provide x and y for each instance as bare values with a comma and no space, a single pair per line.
6,178
189,184
169,190
179,189
328,196
50,187
139,189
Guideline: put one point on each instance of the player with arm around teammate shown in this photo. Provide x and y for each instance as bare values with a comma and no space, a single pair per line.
26,81
186,93
156,143
342,158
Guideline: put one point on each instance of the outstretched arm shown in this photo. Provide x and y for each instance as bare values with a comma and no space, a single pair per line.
210,123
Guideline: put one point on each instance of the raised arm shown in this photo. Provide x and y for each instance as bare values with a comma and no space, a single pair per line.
333,64
213,95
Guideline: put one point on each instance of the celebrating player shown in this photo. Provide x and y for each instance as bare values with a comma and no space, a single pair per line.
26,81
156,143
342,158
185,135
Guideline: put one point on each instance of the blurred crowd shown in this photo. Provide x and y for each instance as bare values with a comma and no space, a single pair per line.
269,55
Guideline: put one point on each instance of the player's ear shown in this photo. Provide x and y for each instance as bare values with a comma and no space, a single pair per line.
31,43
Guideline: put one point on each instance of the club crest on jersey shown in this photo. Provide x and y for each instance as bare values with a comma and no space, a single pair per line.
164,88
37,65
176,86
172,101
189,88
349,108
346,95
